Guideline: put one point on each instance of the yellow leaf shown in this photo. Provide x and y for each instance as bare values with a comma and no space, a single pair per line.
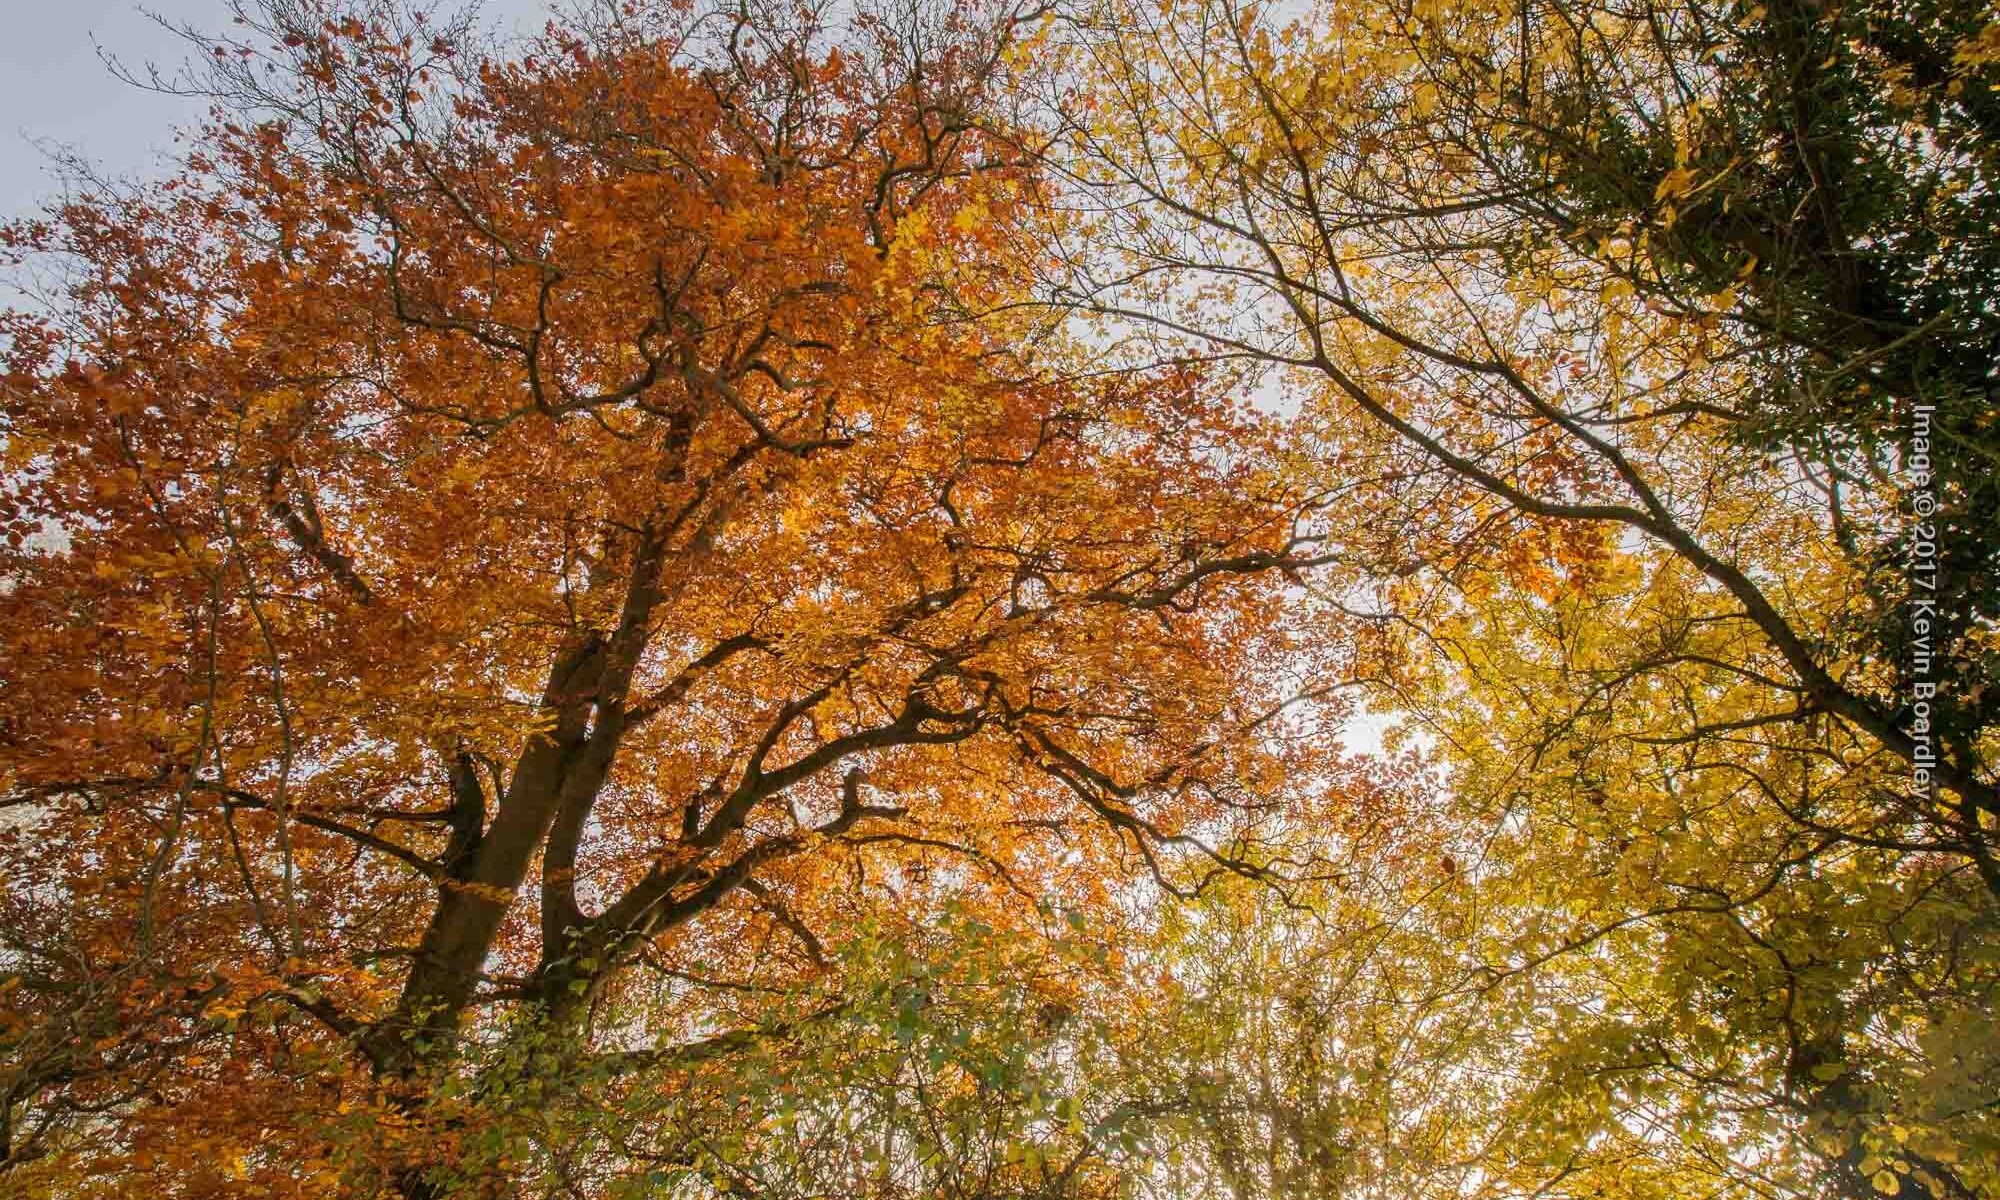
1677,182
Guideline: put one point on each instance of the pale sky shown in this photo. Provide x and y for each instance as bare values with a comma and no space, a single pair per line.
55,88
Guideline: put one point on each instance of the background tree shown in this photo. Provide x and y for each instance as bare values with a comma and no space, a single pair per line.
1639,607
1812,183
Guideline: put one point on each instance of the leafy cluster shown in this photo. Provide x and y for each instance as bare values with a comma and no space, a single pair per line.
784,599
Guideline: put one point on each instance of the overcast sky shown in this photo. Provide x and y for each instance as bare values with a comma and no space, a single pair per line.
54,87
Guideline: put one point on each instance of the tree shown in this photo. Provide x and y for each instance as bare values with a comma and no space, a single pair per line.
503,551
1618,493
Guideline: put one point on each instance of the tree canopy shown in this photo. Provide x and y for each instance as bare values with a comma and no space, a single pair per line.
776,599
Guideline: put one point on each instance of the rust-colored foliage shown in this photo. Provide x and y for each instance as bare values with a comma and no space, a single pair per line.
495,533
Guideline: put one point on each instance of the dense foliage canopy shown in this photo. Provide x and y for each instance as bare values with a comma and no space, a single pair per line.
778,600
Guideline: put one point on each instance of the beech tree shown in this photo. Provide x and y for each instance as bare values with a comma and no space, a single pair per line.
504,549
